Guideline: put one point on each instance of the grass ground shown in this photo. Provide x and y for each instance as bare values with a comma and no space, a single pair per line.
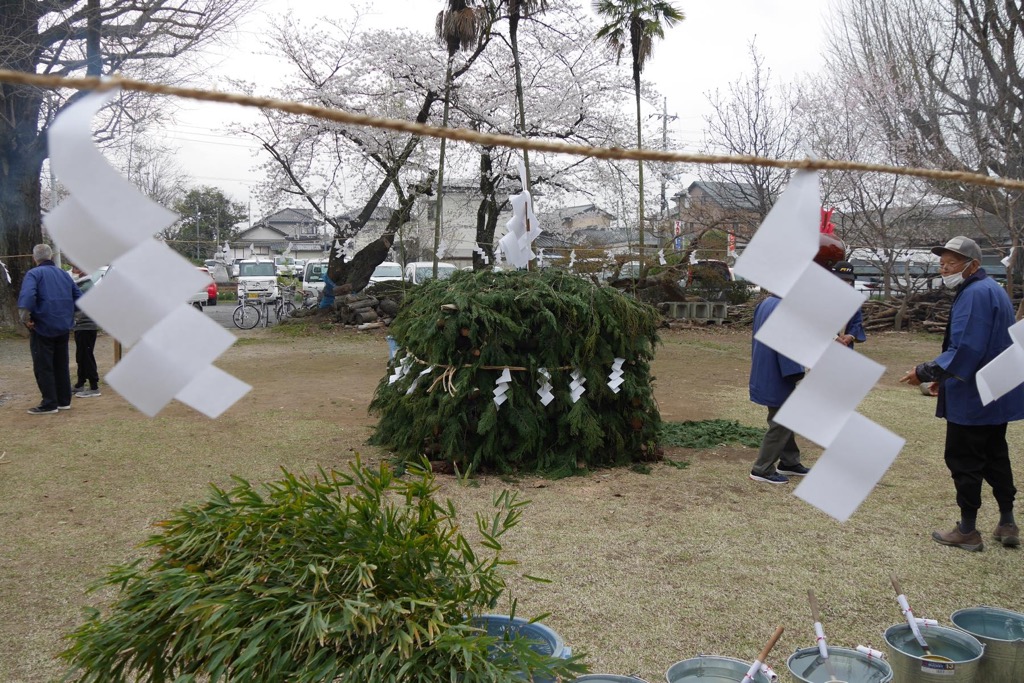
646,569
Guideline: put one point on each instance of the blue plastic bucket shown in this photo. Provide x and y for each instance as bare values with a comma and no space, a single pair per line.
1002,633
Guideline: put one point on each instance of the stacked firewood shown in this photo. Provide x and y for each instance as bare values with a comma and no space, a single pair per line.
364,310
928,312
925,311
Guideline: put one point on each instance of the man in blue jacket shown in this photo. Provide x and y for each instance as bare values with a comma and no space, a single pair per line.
46,305
976,449
773,378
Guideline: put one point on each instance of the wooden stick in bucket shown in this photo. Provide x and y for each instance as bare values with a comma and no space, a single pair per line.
912,622
819,635
756,666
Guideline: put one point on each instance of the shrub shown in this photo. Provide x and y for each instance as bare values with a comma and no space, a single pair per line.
456,338
352,577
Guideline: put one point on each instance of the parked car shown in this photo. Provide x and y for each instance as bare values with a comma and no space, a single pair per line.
387,271
284,266
211,289
313,275
258,278
418,272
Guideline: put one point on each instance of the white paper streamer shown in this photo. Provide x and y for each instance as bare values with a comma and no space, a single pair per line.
401,370
661,257
544,378
1005,372
802,327
615,377
576,387
416,380
105,220
523,228
442,249
572,258
483,254
501,387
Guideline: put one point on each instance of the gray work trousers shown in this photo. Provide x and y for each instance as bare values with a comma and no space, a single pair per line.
778,445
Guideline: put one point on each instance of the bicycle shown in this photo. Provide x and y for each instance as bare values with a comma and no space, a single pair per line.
251,310
286,304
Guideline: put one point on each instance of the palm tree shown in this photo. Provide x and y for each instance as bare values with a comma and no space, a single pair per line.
636,24
459,27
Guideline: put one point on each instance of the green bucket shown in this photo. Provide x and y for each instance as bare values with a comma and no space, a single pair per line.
707,669
961,651
1002,633
844,665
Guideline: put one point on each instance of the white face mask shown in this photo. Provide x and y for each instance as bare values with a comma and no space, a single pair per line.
953,281
956,279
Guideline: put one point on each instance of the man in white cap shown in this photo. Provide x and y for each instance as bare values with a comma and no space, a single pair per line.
976,449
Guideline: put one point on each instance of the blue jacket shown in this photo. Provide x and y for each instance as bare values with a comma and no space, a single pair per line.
49,295
773,377
976,333
855,327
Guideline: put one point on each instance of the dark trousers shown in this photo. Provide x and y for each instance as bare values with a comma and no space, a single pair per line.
51,366
778,445
85,343
977,453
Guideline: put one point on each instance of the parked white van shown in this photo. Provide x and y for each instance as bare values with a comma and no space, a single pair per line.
418,272
313,276
258,278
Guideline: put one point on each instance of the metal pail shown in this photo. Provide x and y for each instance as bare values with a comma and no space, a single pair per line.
607,678
910,666
1002,633
707,669
544,640
844,665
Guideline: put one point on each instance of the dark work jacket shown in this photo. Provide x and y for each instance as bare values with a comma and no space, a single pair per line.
773,377
49,295
976,333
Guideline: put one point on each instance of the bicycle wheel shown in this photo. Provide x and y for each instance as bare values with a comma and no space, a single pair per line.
246,316
285,309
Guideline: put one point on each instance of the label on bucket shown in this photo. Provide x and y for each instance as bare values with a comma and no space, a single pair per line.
938,668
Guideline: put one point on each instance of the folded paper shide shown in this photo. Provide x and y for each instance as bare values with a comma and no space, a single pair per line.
815,303
106,221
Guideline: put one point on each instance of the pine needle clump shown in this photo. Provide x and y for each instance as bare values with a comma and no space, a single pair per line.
457,337
356,576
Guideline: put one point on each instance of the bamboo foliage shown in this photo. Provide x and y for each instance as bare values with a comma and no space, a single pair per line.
467,330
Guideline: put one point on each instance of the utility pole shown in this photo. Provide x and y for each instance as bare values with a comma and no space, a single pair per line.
197,232
664,147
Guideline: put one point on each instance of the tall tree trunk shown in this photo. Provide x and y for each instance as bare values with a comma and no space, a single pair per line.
22,151
93,56
439,205
513,33
487,213
640,163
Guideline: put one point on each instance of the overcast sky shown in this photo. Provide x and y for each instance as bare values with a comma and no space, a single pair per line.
706,51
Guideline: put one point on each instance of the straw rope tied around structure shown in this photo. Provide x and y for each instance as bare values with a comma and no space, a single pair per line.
490,139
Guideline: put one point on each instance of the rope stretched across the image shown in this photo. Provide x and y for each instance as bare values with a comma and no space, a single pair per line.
490,139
